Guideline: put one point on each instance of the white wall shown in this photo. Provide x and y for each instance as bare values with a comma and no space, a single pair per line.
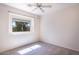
61,27
8,40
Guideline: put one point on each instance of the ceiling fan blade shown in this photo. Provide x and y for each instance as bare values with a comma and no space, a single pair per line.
41,9
34,9
46,6
31,5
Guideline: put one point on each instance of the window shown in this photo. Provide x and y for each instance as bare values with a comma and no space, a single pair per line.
20,23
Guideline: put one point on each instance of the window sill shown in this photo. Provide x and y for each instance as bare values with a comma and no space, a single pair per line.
19,33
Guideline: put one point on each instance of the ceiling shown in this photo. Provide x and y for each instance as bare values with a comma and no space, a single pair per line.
55,6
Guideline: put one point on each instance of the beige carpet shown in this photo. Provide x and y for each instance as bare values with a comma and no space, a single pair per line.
40,48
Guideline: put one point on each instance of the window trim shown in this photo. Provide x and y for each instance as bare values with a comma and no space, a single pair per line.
12,15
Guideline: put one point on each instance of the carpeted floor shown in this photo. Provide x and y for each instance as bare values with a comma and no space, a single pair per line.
40,48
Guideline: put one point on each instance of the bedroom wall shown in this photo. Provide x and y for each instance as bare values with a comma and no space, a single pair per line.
61,27
9,41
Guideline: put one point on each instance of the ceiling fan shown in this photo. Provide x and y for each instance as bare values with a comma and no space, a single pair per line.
40,6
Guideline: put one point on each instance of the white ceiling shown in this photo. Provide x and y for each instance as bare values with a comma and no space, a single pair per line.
55,6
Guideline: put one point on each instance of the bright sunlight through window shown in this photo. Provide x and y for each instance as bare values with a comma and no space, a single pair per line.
26,50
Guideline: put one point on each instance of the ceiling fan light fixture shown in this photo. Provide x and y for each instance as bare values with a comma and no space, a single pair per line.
40,6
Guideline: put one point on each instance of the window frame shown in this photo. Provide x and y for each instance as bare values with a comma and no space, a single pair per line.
23,17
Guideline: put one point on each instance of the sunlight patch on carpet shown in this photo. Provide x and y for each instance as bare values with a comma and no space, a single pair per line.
26,50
